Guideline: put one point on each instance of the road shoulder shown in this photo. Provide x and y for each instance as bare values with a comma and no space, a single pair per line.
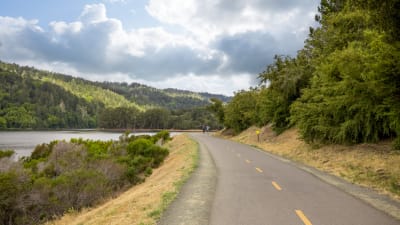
193,204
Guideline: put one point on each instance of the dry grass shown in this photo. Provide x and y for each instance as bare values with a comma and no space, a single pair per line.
144,203
371,165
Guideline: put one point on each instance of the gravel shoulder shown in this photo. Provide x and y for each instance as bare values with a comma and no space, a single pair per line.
194,202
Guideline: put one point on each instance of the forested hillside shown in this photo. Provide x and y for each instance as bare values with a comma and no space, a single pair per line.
29,103
342,87
167,98
31,98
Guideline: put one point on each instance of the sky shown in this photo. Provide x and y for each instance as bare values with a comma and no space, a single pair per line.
215,46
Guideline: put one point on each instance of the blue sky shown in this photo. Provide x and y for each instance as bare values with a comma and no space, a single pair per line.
218,46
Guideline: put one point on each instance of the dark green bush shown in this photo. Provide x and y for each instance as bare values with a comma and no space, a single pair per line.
157,154
162,135
10,189
6,153
43,150
138,146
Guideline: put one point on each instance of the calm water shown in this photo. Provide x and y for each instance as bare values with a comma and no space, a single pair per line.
24,142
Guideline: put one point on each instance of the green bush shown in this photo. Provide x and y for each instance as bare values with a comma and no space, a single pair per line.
43,150
132,175
241,113
162,135
6,153
157,154
350,97
64,175
138,146
10,189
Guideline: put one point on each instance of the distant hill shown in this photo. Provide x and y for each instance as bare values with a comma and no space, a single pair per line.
167,98
51,100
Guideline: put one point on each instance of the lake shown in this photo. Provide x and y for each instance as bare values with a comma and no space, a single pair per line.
24,142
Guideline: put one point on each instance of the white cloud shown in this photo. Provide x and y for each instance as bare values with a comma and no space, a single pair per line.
210,83
222,46
211,18
94,13
115,1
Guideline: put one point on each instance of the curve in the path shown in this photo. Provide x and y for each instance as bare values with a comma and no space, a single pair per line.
253,188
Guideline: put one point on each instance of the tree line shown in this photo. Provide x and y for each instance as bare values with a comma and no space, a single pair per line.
35,99
342,87
157,118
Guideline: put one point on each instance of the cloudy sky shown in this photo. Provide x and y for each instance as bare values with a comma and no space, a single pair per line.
217,46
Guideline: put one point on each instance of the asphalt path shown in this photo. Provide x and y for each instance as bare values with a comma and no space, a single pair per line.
255,188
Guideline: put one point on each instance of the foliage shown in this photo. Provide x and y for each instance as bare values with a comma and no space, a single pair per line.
354,93
6,153
92,93
272,108
171,99
163,135
60,176
217,108
31,98
240,113
8,197
342,87
37,104
349,100
156,118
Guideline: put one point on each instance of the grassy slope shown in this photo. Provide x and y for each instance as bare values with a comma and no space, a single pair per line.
143,204
371,165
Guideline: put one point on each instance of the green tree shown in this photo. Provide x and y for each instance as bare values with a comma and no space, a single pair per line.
3,123
352,94
19,117
217,108
241,112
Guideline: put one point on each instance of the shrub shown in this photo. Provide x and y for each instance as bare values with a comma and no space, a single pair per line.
64,175
80,188
138,146
43,150
157,154
6,153
67,157
162,135
9,192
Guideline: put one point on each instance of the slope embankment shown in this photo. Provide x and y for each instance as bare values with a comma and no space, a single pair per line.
376,166
144,203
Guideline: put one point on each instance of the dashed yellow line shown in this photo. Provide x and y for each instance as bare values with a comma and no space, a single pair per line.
248,161
303,218
277,187
259,170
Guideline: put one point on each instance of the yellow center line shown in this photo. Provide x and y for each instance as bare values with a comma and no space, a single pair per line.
248,161
259,170
303,217
277,187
